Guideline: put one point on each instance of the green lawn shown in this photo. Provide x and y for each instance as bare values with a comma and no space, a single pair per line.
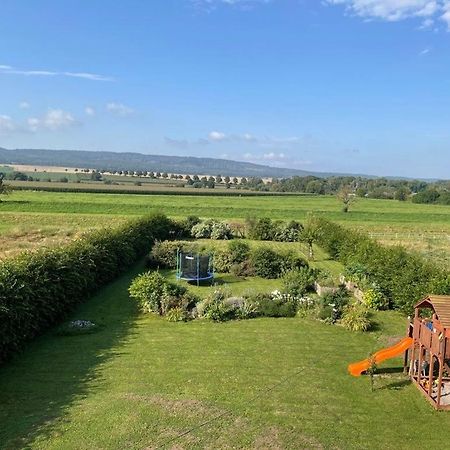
141,382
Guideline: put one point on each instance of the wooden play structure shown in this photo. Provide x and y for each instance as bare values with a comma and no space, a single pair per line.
426,350
428,359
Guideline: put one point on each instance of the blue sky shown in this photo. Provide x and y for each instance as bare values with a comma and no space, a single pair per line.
359,86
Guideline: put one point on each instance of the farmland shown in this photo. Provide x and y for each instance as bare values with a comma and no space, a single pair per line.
26,215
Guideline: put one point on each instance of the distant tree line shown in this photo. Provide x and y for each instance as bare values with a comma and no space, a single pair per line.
381,188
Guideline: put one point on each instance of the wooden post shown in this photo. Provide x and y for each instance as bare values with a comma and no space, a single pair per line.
430,375
419,366
439,390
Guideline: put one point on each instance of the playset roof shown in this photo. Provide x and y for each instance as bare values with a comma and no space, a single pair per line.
440,305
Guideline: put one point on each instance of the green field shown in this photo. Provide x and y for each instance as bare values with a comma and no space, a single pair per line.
141,382
425,228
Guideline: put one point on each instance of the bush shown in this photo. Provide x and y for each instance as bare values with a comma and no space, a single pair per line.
215,308
185,226
266,262
403,277
176,314
356,318
306,306
373,298
261,229
163,255
211,229
275,304
298,281
288,232
222,261
221,231
239,251
243,269
39,289
156,294
148,289
291,261
333,305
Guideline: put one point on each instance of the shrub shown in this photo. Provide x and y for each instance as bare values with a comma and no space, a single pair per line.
262,229
215,308
266,262
239,251
401,276
148,289
211,229
373,298
243,269
275,304
202,230
291,261
306,306
298,281
221,231
222,261
355,272
185,226
356,318
333,304
164,255
288,232
157,294
39,289
176,314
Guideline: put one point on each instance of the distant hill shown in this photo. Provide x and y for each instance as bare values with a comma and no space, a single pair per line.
138,161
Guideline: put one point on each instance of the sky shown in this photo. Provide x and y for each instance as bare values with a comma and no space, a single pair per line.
354,86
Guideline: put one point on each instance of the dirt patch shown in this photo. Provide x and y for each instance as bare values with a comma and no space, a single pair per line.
187,407
269,439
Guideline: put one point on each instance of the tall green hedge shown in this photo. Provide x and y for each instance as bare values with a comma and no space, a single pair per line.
39,289
404,277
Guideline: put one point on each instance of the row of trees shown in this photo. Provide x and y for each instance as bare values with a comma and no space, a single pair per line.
384,188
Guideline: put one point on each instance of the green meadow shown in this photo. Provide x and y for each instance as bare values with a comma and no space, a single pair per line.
425,228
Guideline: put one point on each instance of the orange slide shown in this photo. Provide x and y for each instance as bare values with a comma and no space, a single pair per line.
356,369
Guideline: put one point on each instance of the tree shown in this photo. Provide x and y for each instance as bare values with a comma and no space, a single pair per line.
401,193
5,189
346,196
310,233
96,176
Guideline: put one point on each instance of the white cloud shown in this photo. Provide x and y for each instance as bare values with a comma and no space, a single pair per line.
272,156
24,105
53,120
424,52
9,70
119,109
396,10
89,111
217,136
6,124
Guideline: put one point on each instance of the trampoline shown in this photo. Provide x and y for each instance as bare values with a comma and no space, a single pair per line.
194,267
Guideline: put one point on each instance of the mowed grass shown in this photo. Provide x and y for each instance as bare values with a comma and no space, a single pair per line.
425,228
141,382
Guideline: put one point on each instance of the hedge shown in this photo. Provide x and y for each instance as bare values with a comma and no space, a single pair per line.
402,276
39,289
